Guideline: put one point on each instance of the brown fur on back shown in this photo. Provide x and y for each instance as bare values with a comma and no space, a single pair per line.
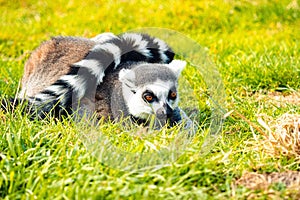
51,60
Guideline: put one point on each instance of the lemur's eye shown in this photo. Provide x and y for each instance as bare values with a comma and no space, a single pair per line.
172,95
149,97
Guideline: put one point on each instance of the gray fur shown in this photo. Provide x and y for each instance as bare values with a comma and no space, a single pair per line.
149,73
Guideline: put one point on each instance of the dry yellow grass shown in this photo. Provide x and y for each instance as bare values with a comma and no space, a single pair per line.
278,98
255,181
281,136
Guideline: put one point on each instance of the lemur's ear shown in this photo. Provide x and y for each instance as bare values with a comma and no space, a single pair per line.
177,66
127,77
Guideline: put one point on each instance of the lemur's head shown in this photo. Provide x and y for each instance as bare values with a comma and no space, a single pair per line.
151,90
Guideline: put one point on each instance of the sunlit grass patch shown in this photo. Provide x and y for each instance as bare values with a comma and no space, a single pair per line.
255,46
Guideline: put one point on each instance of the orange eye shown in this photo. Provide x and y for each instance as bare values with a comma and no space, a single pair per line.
149,97
173,95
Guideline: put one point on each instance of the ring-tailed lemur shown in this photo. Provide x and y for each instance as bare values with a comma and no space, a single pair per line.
117,76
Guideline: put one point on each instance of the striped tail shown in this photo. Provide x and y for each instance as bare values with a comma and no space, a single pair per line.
85,75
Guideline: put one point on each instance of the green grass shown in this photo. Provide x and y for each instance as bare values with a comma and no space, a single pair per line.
256,48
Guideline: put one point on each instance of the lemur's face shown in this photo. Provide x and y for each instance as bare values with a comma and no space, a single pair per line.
158,98
151,90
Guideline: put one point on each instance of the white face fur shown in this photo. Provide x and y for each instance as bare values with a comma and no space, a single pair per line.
145,100
149,98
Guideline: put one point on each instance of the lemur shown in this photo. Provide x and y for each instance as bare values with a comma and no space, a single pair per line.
115,76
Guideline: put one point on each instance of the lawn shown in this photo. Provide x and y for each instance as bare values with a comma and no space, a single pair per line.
253,46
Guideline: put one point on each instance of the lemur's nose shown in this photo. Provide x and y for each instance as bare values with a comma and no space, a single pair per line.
164,112
161,112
